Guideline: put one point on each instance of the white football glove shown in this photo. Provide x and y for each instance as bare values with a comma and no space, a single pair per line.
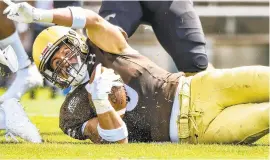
101,87
25,13
103,83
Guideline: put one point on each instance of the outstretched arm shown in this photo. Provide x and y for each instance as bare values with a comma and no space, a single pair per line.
102,33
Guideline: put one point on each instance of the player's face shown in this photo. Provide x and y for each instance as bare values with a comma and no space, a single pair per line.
63,61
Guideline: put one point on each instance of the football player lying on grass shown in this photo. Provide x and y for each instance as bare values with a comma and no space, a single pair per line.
151,105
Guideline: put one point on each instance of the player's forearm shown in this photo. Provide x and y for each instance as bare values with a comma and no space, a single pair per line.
64,17
102,33
110,120
110,127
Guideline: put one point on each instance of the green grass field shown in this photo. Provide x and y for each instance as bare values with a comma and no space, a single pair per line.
44,113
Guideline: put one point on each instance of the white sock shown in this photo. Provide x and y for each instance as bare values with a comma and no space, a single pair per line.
15,41
2,120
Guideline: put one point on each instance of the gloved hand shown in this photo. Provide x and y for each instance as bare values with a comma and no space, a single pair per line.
25,13
103,83
101,87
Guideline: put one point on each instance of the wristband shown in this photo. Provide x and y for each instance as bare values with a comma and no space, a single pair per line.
113,135
79,18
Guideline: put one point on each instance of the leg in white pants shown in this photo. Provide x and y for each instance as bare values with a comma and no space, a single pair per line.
27,76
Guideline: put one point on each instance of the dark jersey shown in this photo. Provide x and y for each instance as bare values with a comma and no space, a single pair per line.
149,120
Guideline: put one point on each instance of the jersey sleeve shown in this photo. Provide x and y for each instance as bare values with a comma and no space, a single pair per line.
75,111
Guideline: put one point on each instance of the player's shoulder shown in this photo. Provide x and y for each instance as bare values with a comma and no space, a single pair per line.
79,90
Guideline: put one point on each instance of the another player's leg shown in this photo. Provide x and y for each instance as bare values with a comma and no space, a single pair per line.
125,14
27,76
213,91
14,120
239,124
179,31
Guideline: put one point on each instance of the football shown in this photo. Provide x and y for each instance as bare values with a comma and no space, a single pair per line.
118,95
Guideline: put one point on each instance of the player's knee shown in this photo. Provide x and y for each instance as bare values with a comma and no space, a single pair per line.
200,61
191,62
189,52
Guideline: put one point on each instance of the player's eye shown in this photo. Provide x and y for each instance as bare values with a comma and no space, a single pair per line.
55,63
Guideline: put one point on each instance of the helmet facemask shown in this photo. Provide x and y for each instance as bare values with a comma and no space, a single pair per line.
70,69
